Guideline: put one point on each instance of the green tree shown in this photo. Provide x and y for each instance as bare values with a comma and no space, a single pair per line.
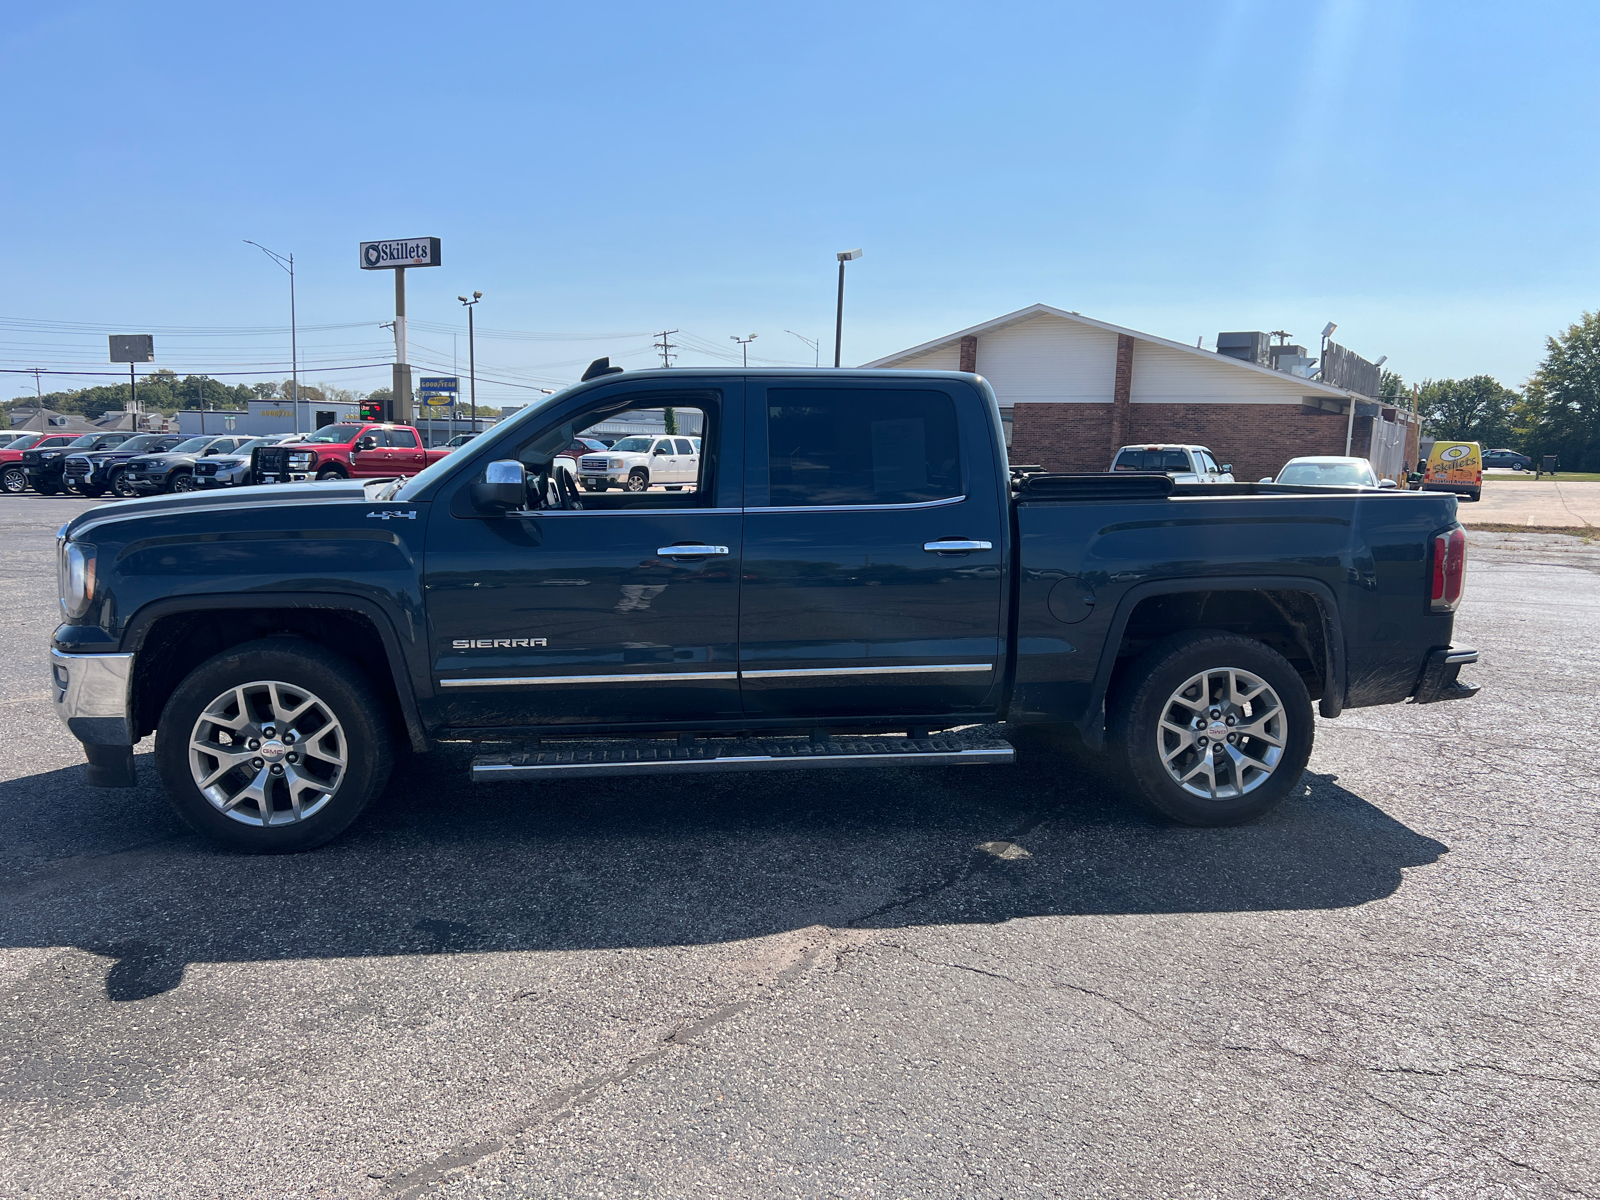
1478,409
1560,413
1392,389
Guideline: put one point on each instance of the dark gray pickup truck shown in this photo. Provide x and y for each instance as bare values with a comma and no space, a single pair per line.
851,574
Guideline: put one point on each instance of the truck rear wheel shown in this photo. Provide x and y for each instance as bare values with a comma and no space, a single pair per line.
273,746
1216,729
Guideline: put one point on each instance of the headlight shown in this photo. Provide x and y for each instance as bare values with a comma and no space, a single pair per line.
303,459
77,578
615,463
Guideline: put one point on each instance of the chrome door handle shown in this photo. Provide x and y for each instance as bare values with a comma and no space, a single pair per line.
946,545
690,551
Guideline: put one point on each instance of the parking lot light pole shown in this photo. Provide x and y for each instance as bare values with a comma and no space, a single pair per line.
472,358
843,256
294,357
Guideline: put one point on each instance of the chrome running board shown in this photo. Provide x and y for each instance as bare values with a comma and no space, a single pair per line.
651,757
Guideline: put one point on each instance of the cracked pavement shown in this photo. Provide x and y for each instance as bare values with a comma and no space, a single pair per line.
990,982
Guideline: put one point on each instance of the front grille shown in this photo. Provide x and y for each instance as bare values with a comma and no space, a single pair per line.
592,464
77,466
205,468
30,458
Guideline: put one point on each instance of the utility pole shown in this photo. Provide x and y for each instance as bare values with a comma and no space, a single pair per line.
37,390
666,347
287,264
816,346
472,357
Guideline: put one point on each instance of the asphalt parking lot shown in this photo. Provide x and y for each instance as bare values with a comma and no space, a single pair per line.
980,982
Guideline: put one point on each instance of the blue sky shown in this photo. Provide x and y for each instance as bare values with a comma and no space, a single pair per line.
1422,173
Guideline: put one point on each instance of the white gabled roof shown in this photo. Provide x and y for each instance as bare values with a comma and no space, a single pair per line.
1036,310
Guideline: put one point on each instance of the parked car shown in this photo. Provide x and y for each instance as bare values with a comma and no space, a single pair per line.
233,470
359,449
13,477
860,563
1183,464
460,440
1455,467
173,470
95,472
45,466
1326,470
567,460
635,464
1507,458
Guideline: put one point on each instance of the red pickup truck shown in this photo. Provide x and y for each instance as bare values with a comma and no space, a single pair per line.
364,449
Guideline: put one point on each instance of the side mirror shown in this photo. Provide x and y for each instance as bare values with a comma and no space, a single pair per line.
1387,483
1227,468
660,450
367,443
1265,479
504,488
210,450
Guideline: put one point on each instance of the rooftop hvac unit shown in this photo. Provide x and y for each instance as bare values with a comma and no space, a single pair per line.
1249,347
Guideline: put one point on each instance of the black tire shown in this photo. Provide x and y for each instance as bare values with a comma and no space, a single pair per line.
47,489
340,689
332,473
638,480
120,485
182,481
1475,495
1152,683
1518,467
13,480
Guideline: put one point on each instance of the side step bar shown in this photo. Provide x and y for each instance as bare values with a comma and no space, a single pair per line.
649,757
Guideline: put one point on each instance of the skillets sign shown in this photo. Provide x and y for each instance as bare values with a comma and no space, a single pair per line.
404,252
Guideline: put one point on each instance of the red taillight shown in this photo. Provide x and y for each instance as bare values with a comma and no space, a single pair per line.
1449,570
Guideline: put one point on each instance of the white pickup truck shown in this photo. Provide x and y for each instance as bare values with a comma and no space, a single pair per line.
1185,464
635,464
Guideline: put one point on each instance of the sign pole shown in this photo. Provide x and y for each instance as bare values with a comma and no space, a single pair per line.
402,372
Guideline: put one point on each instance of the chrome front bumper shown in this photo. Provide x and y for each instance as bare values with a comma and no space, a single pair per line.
91,693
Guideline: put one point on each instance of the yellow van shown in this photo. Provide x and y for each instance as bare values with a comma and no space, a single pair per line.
1455,467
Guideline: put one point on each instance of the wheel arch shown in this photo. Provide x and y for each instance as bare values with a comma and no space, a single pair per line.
1302,612
180,633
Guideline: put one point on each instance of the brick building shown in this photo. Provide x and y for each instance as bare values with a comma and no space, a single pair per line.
1073,389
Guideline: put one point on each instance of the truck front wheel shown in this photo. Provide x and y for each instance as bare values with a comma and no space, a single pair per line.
273,746
13,481
332,473
638,480
1216,729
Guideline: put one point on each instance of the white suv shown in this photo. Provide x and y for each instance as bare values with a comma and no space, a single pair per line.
638,463
1185,464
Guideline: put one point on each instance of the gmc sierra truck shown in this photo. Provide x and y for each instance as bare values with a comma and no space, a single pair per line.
856,578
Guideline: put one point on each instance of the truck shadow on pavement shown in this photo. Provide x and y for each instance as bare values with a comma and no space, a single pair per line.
440,867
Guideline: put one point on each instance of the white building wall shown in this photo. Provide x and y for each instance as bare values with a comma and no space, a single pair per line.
1162,375
1047,358
940,358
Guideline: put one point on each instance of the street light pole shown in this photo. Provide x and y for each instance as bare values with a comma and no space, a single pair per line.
472,357
814,345
744,344
294,351
843,256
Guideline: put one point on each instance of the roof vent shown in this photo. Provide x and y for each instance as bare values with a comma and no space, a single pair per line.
599,367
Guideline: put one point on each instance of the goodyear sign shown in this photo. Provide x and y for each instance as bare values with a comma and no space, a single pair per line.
439,391
403,252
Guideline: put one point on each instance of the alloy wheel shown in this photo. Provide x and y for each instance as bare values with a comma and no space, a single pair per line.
1222,733
268,753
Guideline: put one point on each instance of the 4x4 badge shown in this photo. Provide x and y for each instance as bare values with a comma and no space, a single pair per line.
393,513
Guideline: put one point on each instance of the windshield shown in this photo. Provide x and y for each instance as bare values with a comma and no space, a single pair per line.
1327,474
335,433
636,444
253,443
193,446
86,440
145,441
22,442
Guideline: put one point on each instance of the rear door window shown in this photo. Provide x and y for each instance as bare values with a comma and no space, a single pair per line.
683,445
861,446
